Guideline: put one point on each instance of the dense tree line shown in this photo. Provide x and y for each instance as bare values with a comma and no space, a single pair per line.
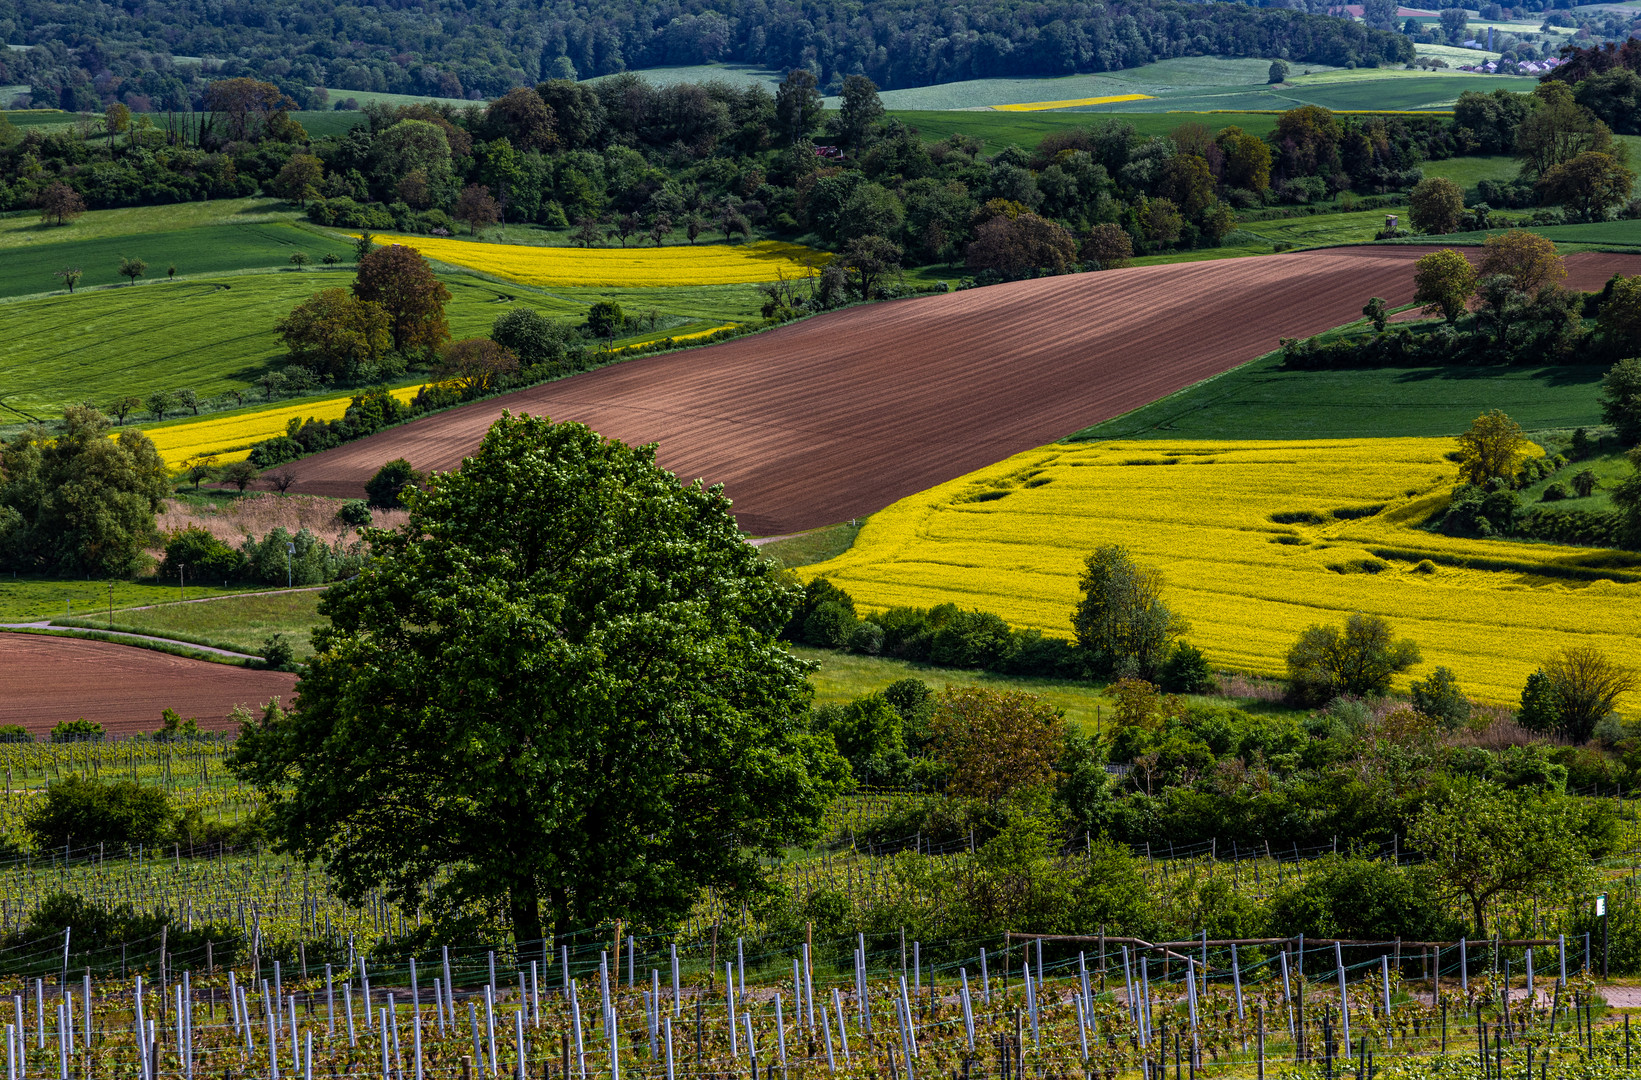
88,55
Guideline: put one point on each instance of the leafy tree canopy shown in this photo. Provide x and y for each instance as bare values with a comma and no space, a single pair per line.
556,691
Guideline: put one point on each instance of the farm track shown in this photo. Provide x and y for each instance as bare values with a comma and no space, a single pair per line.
45,680
842,414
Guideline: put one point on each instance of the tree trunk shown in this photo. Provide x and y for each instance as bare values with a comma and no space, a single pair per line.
525,909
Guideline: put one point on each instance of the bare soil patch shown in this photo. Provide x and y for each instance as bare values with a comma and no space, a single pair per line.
46,680
839,415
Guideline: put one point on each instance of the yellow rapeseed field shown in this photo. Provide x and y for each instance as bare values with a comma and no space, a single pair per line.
708,264
1039,106
229,438
1257,540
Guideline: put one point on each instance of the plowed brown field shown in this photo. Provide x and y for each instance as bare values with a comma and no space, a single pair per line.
45,680
840,415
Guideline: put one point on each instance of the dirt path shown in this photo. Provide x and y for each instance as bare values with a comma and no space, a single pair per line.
837,416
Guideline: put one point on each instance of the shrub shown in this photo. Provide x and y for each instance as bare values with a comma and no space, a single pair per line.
386,488
971,639
80,811
816,591
277,654
1439,698
81,730
1584,483
15,733
1352,897
1186,670
866,638
195,552
1555,492
829,625
355,512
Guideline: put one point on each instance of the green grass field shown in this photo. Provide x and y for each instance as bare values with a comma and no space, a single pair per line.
1260,400
216,333
319,123
1467,172
23,228
998,129
240,623
813,547
365,97
32,269
1616,234
26,599
1322,230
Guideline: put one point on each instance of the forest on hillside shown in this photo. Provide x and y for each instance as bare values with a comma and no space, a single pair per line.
77,51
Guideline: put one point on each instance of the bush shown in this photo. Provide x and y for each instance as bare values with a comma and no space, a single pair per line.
1439,698
866,638
355,512
829,625
195,552
85,812
272,562
1186,670
15,733
81,730
971,639
1349,897
816,591
384,490
1555,492
277,654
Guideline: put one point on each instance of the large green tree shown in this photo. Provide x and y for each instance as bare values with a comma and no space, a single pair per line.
558,684
1122,624
78,502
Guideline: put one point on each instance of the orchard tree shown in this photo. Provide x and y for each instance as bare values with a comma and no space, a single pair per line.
132,268
1527,259
1483,844
1490,448
1444,281
238,473
70,276
1436,205
59,204
557,689
399,279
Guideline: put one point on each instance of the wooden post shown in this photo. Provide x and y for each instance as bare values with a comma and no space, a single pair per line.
1259,1019
615,979
467,1066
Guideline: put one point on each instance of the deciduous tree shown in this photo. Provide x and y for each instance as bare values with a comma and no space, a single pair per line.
475,206
860,113
1108,247
1122,624
298,179
1436,205
577,685
532,337
477,365
798,106
335,332
77,501
132,268
868,260
1589,185
1621,393
400,280
1483,844
996,742
1491,448
1588,686
70,276
1528,259
1359,661
59,204
1444,281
